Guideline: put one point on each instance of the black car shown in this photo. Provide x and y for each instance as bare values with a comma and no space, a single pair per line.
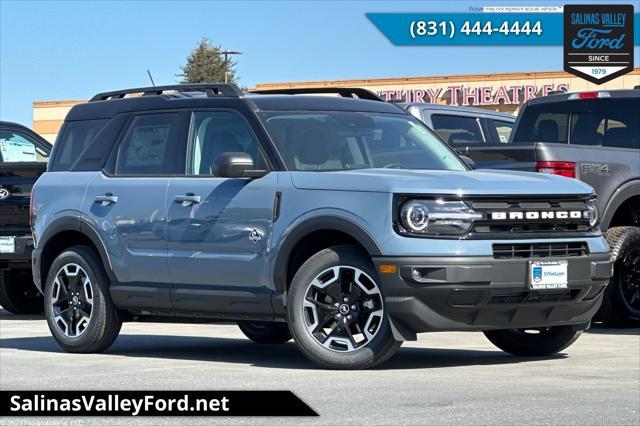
23,158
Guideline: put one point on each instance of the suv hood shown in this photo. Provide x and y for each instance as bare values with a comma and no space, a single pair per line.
476,182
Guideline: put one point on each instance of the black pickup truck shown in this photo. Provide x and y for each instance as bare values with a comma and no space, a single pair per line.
23,158
594,137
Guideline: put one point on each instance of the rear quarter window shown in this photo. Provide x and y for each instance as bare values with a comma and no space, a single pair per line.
76,136
503,128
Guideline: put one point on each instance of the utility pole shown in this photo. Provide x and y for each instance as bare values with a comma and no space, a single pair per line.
226,54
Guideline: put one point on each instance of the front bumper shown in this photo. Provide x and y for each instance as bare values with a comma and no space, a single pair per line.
484,293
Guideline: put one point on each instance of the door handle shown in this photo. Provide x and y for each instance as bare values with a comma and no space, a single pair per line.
106,199
188,199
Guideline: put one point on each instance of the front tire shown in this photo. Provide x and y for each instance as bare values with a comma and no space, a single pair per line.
534,342
335,311
78,305
265,332
621,299
18,293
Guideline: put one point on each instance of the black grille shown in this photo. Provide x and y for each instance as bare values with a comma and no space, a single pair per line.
532,250
505,296
530,226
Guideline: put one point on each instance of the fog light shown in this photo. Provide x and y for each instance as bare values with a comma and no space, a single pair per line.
422,274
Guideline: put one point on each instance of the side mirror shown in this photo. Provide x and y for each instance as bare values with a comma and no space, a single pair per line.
468,161
235,165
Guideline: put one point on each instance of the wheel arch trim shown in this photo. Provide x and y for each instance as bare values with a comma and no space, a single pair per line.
319,223
619,197
83,227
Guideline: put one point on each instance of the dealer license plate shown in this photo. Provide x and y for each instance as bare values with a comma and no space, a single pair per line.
7,244
548,274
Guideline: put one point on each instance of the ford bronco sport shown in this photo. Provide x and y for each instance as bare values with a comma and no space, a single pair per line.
342,223
23,158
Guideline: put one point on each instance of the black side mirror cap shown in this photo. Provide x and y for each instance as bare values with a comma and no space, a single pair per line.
235,165
468,161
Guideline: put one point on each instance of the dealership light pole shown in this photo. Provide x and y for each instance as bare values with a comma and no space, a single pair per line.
226,54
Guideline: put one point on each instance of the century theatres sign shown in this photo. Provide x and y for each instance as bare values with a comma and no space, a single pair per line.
458,94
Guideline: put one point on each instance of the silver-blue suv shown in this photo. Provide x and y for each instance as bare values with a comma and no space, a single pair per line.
339,221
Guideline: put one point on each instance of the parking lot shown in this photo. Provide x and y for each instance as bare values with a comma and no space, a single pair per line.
443,378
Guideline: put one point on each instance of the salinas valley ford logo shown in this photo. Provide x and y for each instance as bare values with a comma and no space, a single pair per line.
598,41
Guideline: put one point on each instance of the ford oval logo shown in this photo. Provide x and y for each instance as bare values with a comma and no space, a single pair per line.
4,194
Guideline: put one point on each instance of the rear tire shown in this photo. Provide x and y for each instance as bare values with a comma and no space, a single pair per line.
265,332
527,343
78,305
621,299
335,311
18,293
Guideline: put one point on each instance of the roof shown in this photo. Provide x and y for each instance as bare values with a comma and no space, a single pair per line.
561,97
456,108
99,108
320,103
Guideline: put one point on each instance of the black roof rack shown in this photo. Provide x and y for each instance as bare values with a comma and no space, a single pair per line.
211,89
346,92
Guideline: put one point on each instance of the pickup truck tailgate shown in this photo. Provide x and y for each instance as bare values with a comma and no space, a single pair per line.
17,179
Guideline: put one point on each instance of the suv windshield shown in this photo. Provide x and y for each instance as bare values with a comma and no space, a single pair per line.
348,140
610,122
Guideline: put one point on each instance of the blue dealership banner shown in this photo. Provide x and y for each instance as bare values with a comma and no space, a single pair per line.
475,29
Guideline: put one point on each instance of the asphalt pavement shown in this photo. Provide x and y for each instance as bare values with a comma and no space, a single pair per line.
443,378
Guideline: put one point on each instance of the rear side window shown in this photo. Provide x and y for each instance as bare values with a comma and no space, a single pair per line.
504,130
457,130
18,147
75,138
607,122
150,145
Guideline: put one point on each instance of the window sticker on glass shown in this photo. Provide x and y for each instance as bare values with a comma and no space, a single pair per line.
17,151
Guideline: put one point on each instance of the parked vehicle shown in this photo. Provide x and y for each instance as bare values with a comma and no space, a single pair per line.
343,223
23,157
463,127
594,137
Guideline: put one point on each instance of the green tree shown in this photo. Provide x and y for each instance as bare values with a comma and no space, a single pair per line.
206,64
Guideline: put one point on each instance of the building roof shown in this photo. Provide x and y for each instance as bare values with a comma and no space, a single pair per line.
395,81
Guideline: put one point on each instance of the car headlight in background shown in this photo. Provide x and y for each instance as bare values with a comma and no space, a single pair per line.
592,210
437,217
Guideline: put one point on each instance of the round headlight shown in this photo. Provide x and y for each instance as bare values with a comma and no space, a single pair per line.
592,208
416,216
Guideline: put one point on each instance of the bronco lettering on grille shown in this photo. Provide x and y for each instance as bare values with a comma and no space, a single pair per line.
541,215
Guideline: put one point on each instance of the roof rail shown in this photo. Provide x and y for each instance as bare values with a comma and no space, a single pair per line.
211,89
346,92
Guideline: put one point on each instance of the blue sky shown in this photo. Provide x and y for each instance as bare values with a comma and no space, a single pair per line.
71,50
